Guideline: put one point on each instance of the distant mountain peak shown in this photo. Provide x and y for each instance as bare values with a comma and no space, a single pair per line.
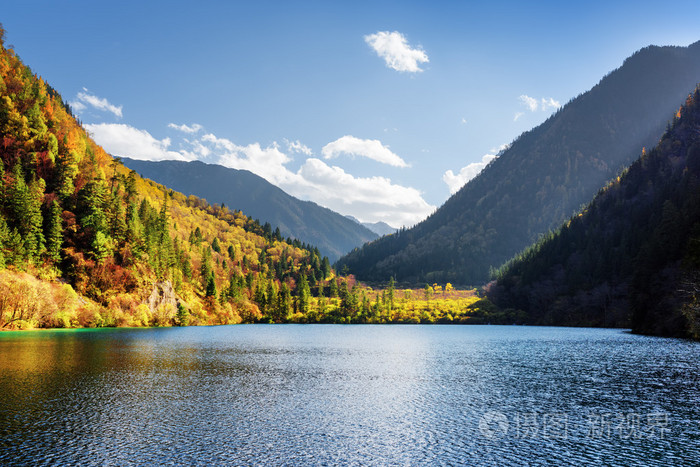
380,228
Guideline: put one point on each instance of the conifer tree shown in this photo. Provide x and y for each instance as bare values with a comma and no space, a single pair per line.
303,294
53,232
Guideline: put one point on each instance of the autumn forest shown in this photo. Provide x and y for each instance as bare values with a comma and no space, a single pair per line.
87,242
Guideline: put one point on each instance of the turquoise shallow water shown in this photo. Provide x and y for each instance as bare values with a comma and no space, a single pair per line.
348,395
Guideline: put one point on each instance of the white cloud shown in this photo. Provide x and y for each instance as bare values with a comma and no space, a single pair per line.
267,162
530,102
78,106
534,105
85,98
123,140
369,148
394,49
498,150
466,173
189,129
517,116
298,147
368,199
549,103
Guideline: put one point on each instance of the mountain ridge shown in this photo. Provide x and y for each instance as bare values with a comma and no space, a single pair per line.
545,175
631,258
332,233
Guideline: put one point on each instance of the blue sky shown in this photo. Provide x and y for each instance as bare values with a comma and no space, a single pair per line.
375,109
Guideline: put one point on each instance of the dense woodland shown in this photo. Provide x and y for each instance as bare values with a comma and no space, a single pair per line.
332,233
84,241
632,257
545,176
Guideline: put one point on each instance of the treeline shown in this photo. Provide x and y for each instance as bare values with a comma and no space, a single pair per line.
632,257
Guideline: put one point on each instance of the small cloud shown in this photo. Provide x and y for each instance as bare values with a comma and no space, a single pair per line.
78,106
298,147
369,148
464,121
397,54
84,99
549,103
530,102
189,129
534,105
517,116
466,173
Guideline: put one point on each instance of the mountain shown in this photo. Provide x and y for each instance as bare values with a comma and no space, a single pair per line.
380,228
84,241
332,233
545,176
632,257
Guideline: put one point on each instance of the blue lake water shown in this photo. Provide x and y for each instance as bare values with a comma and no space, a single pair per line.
348,395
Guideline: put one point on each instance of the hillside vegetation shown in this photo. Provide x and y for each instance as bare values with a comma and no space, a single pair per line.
84,241
332,233
632,257
545,176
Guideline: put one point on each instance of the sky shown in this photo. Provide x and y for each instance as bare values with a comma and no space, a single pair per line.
379,110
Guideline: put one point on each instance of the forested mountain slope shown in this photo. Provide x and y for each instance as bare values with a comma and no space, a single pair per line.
332,233
545,176
632,257
86,242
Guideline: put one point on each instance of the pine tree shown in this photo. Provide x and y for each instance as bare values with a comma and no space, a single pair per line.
303,294
53,232
24,205
211,286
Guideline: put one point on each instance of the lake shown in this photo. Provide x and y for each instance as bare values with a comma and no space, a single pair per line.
348,395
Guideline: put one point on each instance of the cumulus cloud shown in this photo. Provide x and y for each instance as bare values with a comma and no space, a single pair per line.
298,147
267,162
466,173
123,140
369,148
189,129
397,54
84,98
369,199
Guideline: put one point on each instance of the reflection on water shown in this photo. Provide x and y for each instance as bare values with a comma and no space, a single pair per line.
324,394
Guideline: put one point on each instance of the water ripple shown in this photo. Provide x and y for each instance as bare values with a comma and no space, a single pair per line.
348,395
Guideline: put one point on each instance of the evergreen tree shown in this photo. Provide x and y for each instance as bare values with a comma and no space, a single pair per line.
211,286
24,206
53,232
303,295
